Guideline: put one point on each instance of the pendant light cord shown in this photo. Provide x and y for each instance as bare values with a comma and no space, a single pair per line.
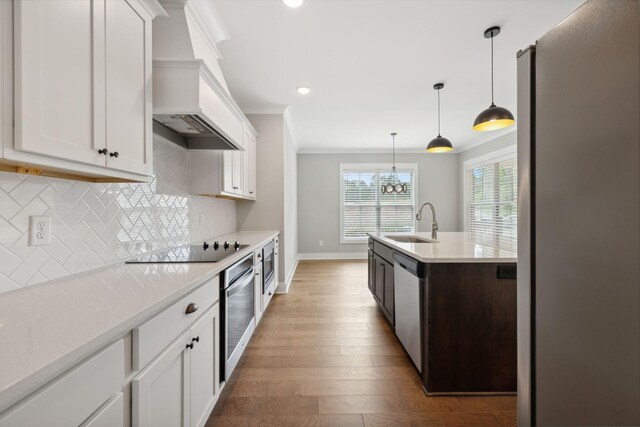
492,103
438,113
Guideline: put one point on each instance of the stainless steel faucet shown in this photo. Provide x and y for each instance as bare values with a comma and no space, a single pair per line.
434,224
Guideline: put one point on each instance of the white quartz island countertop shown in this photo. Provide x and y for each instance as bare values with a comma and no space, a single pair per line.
451,247
46,329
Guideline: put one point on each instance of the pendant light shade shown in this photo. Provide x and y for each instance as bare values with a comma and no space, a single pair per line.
439,144
494,117
396,186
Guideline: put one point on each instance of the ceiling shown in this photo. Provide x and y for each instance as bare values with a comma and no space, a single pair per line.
371,65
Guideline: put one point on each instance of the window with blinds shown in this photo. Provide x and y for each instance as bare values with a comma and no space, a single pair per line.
365,209
491,188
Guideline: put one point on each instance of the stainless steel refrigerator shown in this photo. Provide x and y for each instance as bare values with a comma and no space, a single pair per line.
579,220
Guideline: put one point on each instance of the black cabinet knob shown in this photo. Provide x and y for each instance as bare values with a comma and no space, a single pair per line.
226,245
115,154
103,151
270,293
196,339
190,345
192,308
205,246
216,245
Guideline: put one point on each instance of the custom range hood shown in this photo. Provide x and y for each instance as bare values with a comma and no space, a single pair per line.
192,105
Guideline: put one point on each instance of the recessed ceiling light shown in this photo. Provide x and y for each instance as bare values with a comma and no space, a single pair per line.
293,3
303,90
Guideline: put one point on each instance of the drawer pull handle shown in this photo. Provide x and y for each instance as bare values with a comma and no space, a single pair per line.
192,308
270,293
115,154
190,345
196,339
103,151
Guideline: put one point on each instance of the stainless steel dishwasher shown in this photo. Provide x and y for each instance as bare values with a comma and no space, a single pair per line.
407,306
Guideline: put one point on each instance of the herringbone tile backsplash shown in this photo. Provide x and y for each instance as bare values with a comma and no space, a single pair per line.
93,225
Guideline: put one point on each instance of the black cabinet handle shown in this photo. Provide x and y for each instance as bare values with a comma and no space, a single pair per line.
115,154
192,308
190,345
103,151
270,293
196,339
250,192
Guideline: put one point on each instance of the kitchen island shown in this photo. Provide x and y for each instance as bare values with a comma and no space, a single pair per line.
452,305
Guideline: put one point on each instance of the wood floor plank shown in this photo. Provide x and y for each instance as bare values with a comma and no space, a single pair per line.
402,420
287,421
301,350
314,362
307,361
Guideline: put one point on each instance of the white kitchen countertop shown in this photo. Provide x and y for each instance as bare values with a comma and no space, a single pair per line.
451,247
48,328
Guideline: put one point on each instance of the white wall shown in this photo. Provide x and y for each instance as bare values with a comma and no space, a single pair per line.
93,225
276,188
267,212
498,143
319,196
290,200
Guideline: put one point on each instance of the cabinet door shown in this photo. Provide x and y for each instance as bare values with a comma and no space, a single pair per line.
380,274
128,88
59,67
389,288
250,166
258,291
205,366
238,171
161,392
227,171
371,279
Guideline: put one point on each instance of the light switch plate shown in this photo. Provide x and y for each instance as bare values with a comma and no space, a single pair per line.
39,230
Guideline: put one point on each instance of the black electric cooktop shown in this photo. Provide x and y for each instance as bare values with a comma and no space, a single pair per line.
192,253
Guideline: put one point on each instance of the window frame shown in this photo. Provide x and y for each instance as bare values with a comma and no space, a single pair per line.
507,153
373,167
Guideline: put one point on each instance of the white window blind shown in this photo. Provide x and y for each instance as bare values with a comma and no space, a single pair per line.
491,188
366,210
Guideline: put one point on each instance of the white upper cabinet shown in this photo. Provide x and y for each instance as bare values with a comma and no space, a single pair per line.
226,173
56,103
82,87
250,171
129,103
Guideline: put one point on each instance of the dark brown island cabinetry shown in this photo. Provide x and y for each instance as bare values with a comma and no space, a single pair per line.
467,321
381,282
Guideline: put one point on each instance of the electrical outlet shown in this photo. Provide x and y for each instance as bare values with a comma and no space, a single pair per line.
39,230
321,243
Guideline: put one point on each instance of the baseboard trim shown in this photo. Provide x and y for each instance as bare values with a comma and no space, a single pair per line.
335,255
283,287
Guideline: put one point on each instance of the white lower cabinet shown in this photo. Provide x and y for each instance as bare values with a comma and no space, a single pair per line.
73,397
180,387
111,415
258,290
205,366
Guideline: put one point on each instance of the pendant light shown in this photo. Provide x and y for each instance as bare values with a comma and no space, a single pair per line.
395,186
494,117
439,144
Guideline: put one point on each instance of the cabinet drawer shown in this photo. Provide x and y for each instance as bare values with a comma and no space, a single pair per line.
383,251
111,415
153,336
72,398
266,297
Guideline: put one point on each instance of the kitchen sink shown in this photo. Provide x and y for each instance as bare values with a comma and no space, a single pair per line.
411,239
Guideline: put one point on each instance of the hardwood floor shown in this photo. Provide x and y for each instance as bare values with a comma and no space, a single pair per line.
323,355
